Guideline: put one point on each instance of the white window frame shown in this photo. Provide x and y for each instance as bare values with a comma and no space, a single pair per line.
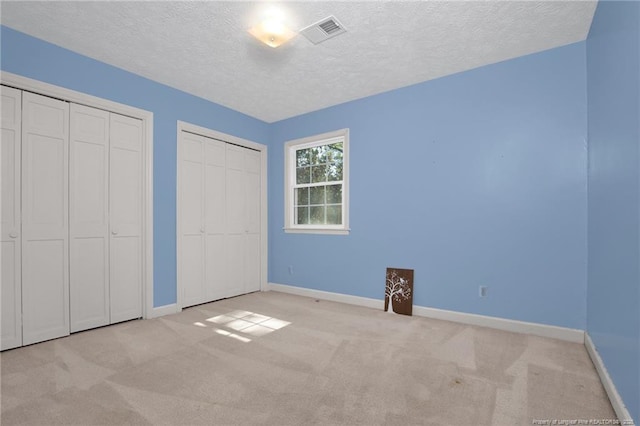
290,149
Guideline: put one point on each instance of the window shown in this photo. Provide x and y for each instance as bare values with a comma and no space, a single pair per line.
317,185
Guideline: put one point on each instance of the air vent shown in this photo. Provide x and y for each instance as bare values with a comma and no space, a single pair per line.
323,30
329,26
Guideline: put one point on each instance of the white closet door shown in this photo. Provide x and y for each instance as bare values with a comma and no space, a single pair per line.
191,250
219,219
215,218
252,257
45,221
125,245
88,217
10,227
236,221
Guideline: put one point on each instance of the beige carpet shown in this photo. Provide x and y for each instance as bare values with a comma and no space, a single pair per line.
277,359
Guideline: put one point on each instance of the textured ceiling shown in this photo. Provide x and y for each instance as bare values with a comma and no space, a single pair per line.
203,48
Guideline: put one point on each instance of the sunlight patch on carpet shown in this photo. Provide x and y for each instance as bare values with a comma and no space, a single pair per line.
245,323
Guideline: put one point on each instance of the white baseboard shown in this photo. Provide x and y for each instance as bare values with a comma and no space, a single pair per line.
161,311
326,295
543,330
536,329
616,401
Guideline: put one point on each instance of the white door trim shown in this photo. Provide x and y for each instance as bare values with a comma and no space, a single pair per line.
28,84
214,134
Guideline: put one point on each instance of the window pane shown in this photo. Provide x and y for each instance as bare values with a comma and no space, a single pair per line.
316,154
329,156
323,152
302,157
336,152
334,194
334,172
302,196
317,194
319,173
303,175
317,215
303,215
334,215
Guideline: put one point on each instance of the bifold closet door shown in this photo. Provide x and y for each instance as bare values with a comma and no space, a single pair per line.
219,202
216,268
191,246
242,237
10,219
105,218
45,219
89,217
253,235
126,210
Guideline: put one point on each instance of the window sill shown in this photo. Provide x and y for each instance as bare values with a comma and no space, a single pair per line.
317,231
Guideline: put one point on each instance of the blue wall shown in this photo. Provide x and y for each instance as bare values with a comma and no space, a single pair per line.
34,58
473,179
613,294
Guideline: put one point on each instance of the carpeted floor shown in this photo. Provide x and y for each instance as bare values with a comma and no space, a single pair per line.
278,359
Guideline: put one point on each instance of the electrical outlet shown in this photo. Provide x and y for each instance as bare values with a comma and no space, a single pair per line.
482,291
290,269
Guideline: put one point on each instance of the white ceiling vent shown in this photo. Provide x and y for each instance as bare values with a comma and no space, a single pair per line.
323,30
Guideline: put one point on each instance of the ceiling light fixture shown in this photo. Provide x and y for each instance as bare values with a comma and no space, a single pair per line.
272,30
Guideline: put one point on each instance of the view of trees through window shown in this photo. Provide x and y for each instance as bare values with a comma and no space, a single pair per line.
318,188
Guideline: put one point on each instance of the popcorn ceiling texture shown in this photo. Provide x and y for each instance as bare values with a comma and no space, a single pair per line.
203,48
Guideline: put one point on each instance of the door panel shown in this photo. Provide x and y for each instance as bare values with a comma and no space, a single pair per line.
252,249
191,185
191,223
10,223
215,152
215,199
11,296
235,202
89,217
126,191
235,157
253,202
89,285
125,211
252,263
10,178
234,260
45,262
46,196
192,274
216,269
236,221
126,293
215,187
44,293
89,183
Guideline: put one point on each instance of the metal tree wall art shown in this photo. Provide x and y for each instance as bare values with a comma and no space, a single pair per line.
398,292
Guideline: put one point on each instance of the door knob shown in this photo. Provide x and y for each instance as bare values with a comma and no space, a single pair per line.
114,232
202,230
13,234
